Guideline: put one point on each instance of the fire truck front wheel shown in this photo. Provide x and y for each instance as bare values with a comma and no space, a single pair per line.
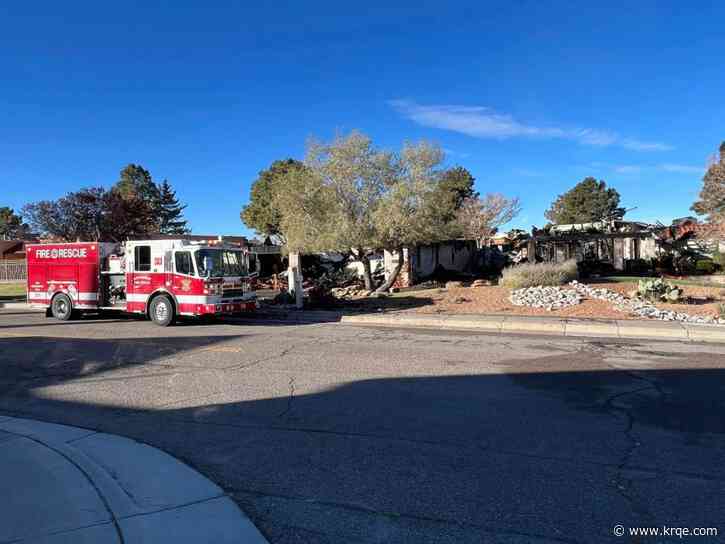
61,307
162,311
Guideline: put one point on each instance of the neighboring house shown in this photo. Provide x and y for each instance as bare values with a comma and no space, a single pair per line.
12,250
268,255
12,260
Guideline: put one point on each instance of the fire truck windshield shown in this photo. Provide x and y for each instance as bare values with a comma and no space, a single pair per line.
214,263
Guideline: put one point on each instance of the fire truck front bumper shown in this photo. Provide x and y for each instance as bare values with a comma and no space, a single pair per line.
228,308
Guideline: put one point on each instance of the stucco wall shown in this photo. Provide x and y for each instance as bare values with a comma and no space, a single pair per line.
422,261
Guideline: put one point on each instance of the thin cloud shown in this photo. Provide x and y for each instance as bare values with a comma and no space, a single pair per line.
638,145
452,153
627,169
682,168
481,122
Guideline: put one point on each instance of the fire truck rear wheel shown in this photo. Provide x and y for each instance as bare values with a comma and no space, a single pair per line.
62,308
162,311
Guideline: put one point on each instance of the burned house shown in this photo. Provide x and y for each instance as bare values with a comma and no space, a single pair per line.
622,246
629,247
425,261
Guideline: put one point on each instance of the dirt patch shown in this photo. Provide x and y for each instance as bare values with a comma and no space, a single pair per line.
495,300
705,303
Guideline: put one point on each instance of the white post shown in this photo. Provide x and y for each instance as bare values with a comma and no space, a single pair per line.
294,279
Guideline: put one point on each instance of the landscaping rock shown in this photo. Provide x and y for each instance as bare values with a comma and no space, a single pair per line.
453,284
556,298
638,306
549,298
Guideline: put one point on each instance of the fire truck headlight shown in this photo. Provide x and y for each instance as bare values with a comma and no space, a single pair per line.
212,289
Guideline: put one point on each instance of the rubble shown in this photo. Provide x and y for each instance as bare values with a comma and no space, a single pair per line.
349,292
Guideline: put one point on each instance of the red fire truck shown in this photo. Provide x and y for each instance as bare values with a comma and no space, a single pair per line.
161,279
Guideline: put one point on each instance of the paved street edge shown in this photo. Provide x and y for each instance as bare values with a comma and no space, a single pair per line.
180,499
571,327
607,328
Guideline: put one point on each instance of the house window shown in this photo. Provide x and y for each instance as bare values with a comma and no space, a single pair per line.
183,263
142,258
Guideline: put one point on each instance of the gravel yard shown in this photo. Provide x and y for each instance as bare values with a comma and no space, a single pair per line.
495,300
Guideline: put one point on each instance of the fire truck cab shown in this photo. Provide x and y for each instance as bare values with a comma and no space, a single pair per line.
161,279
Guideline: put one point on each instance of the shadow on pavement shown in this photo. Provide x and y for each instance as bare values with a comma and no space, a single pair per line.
266,315
529,454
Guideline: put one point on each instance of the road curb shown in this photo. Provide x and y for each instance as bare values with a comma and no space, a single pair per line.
85,486
609,328
16,306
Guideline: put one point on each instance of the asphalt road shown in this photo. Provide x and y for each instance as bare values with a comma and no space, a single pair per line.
339,434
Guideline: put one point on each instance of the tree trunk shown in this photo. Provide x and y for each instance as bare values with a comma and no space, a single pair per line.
367,273
388,283
361,255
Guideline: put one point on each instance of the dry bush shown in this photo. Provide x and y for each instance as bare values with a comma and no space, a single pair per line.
535,274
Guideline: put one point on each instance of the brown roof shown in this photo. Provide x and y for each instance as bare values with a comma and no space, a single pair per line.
8,247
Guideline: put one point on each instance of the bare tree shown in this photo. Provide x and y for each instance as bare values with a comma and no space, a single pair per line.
480,218
712,196
713,231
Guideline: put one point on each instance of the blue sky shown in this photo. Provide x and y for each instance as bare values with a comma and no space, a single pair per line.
531,97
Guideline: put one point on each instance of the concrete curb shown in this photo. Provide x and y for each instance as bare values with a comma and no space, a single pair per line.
606,328
75,485
17,306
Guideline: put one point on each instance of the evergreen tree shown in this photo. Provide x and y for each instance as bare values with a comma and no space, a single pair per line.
136,182
11,225
590,200
170,211
459,184
260,213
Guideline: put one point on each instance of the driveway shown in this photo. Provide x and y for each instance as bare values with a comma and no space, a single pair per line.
332,433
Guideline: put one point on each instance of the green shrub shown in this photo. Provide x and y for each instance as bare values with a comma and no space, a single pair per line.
658,290
705,266
535,274
719,259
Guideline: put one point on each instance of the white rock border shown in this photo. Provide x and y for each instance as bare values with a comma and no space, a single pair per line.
556,298
549,298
